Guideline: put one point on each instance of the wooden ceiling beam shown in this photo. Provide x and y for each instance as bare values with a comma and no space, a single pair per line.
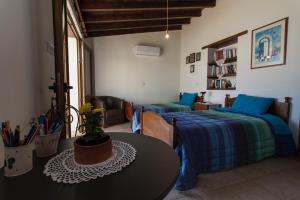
114,5
131,31
134,24
90,17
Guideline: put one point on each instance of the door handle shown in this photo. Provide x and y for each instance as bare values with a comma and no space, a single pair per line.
53,87
67,87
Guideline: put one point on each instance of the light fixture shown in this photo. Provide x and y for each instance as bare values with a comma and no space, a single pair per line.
167,36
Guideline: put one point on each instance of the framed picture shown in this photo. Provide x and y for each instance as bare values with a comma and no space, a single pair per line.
187,60
192,57
269,44
192,68
212,84
198,56
224,83
218,84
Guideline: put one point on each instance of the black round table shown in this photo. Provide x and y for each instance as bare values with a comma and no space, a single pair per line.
150,176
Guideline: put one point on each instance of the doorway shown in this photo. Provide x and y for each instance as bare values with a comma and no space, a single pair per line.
75,75
73,65
89,80
73,80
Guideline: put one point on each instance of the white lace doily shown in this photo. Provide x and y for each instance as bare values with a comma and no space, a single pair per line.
63,168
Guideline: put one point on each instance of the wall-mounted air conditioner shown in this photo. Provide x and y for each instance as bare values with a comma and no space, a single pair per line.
142,50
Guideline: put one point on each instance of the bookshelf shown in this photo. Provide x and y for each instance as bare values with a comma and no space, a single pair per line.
221,74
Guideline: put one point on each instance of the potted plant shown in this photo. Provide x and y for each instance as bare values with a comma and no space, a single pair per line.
94,146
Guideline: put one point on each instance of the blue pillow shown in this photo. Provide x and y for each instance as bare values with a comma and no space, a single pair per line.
252,104
188,99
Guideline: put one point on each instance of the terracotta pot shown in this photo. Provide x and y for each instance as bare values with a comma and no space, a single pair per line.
89,155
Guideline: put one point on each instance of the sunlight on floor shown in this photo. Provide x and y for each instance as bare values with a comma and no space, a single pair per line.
119,128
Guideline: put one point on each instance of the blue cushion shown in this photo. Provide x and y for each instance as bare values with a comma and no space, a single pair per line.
188,99
252,104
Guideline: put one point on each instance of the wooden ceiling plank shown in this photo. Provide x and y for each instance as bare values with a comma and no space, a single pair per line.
132,31
130,28
90,17
81,20
134,24
110,5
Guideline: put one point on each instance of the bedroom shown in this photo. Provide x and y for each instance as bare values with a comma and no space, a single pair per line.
119,72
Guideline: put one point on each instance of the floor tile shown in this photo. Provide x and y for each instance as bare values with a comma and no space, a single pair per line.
217,180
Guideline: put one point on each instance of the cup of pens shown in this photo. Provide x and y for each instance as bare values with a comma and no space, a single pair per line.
18,160
47,140
17,152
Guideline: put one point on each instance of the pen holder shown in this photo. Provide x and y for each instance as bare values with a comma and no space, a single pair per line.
46,145
18,160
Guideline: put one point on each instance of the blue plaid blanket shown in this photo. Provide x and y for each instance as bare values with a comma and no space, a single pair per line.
212,141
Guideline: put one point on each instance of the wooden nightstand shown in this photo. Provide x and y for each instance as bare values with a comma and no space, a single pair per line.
206,106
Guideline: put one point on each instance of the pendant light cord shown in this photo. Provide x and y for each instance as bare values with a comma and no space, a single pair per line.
167,15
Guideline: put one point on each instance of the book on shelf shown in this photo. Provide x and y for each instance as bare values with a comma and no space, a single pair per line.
224,54
215,70
229,69
231,53
220,55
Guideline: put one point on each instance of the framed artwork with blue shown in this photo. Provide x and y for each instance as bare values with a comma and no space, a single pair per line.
269,44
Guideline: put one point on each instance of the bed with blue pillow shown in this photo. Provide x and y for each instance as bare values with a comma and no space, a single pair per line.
185,104
252,129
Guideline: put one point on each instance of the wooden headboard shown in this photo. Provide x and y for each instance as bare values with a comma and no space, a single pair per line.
128,109
281,109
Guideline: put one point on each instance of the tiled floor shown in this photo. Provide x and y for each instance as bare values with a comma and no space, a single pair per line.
274,179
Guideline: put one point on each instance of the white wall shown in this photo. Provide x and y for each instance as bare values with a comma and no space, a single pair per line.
18,63
89,42
230,17
46,62
119,72
88,71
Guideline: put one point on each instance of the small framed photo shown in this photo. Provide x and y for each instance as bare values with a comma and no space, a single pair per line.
192,57
269,44
187,60
212,84
192,68
223,83
198,56
218,84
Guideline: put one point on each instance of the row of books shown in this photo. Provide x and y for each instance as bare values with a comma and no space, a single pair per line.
225,54
231,53
215,70
228,69
221,84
